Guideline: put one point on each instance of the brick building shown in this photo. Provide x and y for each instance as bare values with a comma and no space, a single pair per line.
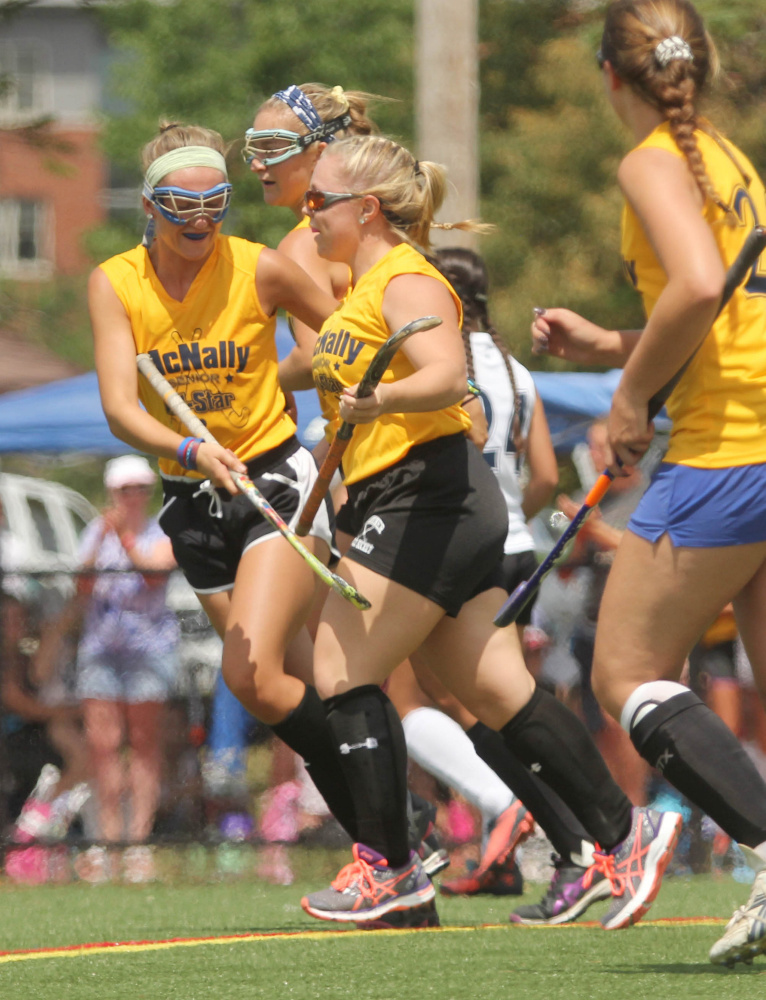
52,180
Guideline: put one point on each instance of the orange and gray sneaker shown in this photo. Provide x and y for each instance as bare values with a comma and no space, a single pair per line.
368,888
636,866
502,878
495,873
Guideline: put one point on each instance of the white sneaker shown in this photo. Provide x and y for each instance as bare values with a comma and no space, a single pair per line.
138,865
745,934
94,865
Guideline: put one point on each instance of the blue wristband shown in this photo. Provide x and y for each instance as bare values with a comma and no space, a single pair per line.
187,452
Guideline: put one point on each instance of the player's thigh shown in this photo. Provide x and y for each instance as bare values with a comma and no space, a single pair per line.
363,647
216,606
480,664
657,602
750,612
271,600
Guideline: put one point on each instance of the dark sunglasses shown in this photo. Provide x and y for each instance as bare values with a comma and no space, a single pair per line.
315,201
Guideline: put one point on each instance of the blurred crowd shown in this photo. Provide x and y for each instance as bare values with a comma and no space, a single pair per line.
117,731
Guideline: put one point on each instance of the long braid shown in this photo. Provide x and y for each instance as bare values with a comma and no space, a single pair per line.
671,81
676,96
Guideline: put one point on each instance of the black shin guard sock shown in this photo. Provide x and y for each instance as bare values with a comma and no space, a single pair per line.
550,740
306,731
369,742
560,825
698,753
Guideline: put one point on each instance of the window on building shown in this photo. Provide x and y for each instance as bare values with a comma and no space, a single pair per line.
24,239
25,81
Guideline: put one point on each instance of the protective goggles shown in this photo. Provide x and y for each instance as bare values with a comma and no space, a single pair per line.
180,206
315,200
275,145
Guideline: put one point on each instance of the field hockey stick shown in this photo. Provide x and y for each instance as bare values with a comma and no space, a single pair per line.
244,484
746,259
370,379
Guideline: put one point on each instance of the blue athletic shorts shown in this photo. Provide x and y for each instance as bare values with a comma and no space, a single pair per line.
703,508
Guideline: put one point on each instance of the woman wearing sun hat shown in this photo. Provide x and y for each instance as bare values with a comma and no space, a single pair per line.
126,659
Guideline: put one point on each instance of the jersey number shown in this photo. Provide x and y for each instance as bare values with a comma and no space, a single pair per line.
491,454
756,283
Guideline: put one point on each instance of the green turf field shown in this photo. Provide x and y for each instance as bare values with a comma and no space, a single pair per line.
311,959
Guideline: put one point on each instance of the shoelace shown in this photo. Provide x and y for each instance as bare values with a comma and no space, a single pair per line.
356,873
604,863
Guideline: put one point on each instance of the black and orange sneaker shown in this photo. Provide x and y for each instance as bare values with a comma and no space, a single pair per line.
511,828
502,878
367,889
636,866
497,873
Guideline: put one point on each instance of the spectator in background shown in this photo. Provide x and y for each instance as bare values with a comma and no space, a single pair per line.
23,717
126,663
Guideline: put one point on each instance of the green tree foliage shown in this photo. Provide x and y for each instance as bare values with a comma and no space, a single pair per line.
550,144
214,63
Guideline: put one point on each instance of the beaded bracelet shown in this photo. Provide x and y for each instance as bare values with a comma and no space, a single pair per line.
187,452
473,389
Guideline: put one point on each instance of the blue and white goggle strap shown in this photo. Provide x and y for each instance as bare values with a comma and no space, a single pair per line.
300,105
304,110
154,194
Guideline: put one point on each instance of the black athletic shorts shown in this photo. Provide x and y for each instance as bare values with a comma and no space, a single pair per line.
518,567
434,522
210,529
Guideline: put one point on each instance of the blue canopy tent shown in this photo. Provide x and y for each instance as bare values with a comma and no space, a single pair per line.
67,415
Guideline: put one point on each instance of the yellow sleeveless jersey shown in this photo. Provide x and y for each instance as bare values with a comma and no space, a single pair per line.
348,342
216,348
718,408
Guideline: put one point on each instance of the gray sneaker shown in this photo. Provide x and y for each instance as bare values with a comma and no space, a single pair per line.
636,866
745,934
572,890
368,888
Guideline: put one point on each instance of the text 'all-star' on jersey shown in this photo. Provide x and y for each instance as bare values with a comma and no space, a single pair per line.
718,408
347,344
500,450
216,347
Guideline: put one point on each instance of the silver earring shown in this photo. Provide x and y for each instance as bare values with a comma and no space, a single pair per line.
362,221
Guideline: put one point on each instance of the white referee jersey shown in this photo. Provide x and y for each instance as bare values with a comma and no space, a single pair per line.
500,450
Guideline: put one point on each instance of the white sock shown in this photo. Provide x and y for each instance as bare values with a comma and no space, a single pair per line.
755,856
439,746
645,698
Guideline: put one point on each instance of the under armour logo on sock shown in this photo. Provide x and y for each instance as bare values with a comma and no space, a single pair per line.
536,768
665,757
369,744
